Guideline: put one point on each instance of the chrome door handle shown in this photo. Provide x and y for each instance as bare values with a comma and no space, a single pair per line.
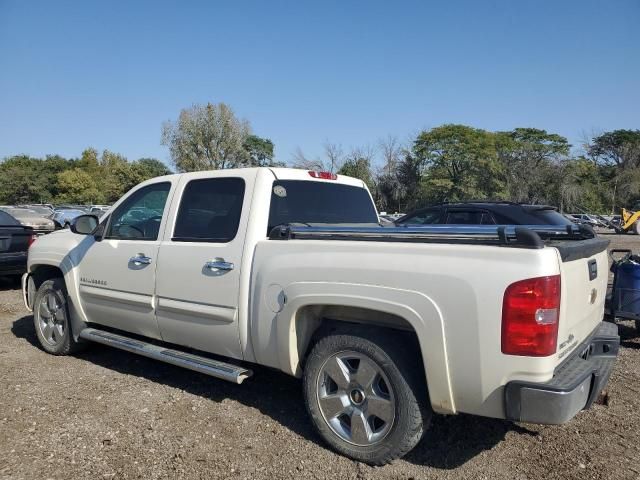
219,264
140,259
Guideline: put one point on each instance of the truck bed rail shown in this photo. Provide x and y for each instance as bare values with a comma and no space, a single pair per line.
522,236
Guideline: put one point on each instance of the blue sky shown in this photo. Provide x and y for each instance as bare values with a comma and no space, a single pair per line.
107,74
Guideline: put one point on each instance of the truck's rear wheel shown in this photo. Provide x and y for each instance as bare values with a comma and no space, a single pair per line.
51,318
366,401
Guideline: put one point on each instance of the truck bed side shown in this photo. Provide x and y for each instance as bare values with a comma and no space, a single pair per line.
450,295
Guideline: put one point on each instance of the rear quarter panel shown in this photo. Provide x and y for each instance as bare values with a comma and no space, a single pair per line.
450,294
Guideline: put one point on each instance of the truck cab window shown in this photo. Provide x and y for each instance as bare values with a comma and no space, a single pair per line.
139,216
320,203
210,210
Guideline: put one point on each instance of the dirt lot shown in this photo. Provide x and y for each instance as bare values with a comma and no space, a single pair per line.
110,414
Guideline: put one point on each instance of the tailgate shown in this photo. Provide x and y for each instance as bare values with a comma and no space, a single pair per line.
584,275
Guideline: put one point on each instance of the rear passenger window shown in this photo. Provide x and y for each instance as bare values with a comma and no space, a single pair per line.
463,218
427,217
210,210
486,219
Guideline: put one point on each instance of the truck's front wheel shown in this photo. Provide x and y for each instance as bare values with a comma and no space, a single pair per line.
365,397
51,318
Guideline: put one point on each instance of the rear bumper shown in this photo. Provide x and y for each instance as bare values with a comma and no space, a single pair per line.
575,385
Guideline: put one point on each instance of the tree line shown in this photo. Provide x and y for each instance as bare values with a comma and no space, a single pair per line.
91,179
529,165
446,163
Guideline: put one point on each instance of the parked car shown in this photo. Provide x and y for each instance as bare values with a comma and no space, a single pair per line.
589,219
99,210
83,208
15,239
64,217
41,209
615,219
386,326
31,218
484,213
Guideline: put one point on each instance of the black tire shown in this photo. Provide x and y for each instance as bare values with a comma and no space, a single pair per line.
638,325
404,373
61,341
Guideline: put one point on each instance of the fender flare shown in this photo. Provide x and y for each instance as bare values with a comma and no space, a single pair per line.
428,326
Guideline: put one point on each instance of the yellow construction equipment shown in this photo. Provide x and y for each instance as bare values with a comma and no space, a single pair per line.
629,222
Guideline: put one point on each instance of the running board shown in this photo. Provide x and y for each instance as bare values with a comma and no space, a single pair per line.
208,366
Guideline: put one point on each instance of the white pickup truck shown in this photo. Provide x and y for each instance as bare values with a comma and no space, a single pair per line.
217,270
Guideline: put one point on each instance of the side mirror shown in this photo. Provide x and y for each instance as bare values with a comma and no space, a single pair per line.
84,224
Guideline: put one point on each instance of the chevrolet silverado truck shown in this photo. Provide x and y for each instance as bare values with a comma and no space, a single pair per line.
214,271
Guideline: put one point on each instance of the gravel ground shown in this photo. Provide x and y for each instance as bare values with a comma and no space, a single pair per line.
109,414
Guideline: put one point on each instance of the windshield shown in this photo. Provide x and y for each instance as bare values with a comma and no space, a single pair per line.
312,203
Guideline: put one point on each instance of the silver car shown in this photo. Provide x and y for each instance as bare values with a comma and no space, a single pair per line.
64,217
31,218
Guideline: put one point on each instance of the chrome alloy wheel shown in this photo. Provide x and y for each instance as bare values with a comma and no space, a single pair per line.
52,318
355,398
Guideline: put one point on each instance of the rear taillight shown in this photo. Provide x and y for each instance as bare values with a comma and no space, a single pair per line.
32,239
530,312
323,175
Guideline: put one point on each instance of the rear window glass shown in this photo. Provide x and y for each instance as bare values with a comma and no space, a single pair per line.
308,202
6,219
547,216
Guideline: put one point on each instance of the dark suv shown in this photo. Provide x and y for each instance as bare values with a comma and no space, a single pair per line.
484,213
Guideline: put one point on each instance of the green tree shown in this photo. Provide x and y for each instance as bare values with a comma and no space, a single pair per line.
398,185
260,151
89,162
618,147
527,157
78,186
207,137
358,165
459,163
51,166
150,168
21,180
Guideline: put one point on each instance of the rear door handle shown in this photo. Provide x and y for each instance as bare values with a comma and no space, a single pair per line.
140,259
219,264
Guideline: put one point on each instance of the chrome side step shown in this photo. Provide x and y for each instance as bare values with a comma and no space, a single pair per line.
208,366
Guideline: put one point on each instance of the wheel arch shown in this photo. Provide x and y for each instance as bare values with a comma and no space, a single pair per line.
37,274
45,269
312,309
